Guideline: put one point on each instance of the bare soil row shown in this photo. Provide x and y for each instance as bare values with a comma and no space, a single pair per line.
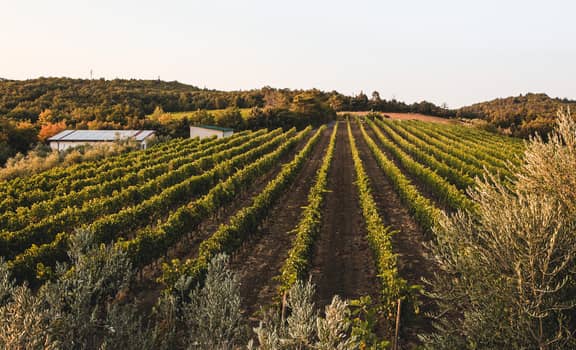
342,263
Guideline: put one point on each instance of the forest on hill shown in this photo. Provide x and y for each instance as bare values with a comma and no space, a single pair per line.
115,101
521,115
33,110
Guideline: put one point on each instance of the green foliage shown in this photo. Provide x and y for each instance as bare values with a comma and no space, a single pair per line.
81,101
85,308
304,328
421,208
144,247
380,238
521,116
311,107
444,154
42,158
231,117
476,150
296,265
70,313
507,276
365,317
147,205
28,191
461,152
492,148
508,260
151,180
457,177
229,237
361,102
203,117
138,104
15,138
212,317
446,193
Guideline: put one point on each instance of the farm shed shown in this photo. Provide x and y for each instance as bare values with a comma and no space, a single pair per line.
204,131
72,138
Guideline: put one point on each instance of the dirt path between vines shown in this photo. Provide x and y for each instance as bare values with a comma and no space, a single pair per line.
413,265
343,263
409,116
148,289
424,189
260,259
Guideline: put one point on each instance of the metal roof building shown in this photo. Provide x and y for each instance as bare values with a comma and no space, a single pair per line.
71,138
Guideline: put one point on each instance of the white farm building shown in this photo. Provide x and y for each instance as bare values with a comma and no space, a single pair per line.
204,131
72,138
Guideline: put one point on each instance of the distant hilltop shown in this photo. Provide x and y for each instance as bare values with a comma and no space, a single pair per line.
99,99
519,115
122,103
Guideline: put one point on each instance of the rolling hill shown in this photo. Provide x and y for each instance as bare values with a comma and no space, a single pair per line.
519,115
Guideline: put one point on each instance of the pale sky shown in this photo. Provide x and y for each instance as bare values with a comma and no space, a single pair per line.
458,52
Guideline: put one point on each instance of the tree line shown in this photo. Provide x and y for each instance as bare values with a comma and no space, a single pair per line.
33,110
520,116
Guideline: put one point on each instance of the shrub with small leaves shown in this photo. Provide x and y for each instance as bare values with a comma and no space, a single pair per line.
304,328
508,269
213,317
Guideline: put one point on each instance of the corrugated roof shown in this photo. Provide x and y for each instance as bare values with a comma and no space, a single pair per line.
100,135
142,134
213,127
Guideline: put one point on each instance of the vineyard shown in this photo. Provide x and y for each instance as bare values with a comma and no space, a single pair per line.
349,205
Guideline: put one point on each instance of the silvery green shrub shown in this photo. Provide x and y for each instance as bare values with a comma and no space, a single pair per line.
507,277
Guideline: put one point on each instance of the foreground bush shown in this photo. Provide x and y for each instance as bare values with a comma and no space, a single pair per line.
508,277
304,328
86,305
72,312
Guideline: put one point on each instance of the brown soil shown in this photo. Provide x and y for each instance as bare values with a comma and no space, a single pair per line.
411,116
260,259
189,248
413,264
148,289
418,116
343,263
424,190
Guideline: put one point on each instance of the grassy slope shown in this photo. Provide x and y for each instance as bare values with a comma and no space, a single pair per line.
215,112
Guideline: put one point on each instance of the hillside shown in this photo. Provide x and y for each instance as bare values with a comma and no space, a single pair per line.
360,207
32,110
109,100
520,115
285,205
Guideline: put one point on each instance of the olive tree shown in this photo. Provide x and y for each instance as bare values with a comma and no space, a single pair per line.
507,275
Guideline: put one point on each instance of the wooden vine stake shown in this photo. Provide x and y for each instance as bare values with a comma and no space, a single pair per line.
284,304
397,324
